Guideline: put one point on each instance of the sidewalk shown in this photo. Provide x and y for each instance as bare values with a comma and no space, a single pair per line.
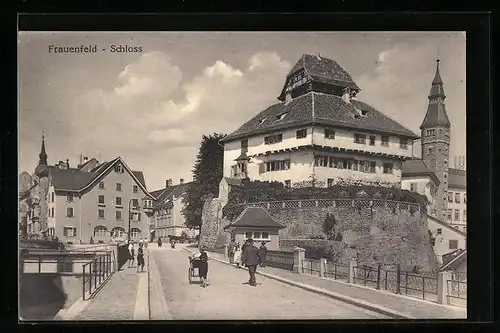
401,306
124,297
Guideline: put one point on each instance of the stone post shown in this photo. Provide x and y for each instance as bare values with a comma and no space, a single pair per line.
299,254
442,287
322,267
353,263
226,251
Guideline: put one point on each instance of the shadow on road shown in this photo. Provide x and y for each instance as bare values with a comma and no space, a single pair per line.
39,297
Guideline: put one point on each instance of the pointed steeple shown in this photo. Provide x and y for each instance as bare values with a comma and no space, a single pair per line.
436,112
43,154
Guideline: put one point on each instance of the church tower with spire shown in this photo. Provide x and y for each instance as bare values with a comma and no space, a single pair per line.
435,141
42,167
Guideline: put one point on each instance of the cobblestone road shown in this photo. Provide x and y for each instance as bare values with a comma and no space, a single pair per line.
229,297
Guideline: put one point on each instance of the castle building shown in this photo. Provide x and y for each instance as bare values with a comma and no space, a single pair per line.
94,200
319,134
432,175
168,219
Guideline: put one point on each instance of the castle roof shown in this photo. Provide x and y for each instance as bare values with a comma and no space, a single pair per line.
320,108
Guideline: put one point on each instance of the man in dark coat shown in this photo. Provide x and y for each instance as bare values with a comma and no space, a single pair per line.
243,247
252,260
262,254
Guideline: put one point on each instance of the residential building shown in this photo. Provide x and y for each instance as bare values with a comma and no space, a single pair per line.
83,203
167,217
319,133
417,177
445,238
457,199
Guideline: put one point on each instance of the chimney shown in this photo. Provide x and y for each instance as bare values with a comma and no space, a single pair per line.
85,159
181,181
288,97
67,163
168,183
347,95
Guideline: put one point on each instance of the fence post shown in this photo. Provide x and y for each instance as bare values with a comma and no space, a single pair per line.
90,278
322,267
95,273
299,254
352,265
83,281
398,279
442,284
39,264
378,275
226,251
335,271
406,282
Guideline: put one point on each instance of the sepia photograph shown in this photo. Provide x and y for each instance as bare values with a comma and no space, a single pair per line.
242,175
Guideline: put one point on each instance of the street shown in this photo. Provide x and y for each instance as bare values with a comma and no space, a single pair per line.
230,297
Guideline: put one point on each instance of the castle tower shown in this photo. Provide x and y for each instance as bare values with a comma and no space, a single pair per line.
435,141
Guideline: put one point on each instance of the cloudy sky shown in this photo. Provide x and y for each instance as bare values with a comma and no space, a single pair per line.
151,108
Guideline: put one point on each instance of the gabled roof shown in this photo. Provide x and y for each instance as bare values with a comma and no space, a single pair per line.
140,177
417,167
256,217
457,179
454,260
81,166
169,192
446,225
319,108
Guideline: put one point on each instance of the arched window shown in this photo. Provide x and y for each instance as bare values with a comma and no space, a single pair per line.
117,232
135,233
100,231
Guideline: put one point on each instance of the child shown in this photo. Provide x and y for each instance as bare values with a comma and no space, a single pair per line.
140,258
237,255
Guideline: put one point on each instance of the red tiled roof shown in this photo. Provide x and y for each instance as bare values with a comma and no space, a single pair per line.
319,108
255,217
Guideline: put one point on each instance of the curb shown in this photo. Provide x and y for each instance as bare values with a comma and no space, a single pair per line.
343,298
158,308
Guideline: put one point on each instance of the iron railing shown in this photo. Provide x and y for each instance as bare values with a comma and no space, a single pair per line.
311,266
95,273
457,289
336,270
280,259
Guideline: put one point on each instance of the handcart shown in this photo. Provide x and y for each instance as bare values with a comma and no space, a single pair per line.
194,263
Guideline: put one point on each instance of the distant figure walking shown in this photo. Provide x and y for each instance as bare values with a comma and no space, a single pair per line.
243,247
230,250
252,260
159,242
262,254
237,255
140,258
145,243
131,255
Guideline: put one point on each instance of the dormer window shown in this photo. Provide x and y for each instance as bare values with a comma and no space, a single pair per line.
280,116
261,121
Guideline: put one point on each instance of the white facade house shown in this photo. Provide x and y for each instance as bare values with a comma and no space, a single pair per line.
319,132
417,177
446,239
457,200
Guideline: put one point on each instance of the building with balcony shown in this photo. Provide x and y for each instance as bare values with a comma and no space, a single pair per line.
94,200
167,218
319,132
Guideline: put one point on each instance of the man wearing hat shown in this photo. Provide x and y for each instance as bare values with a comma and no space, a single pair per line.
252,260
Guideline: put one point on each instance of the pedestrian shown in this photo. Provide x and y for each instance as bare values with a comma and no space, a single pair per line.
237,254
230,250
140,258
243,247
146,243
159,242
203,266
262,254
252,260
131,254
91,240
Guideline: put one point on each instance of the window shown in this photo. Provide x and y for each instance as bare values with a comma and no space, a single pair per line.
135,216
388,167
413,187
384,141
465,215
457,197
302,133
403,143
52,210
265,235
329,182
118,201
278,165
101,200
101,185
135,203
135,188
52,197
256,235
439,231
465,229
118,186
372,140
100,213
360,138
288,183
429,150
248,235
271,139
135,233
449,214
367,166
118,168
261,121
69,212
244,145
465,198
453,244
329,134
280,116
457,215
118,232
69,197
69,231
450,197
118,215
320,160
100,231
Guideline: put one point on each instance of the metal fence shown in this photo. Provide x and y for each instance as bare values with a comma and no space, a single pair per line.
457,289
311,266
95,273
280,259
336,270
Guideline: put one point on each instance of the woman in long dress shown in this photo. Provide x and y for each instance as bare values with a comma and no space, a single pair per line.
237,255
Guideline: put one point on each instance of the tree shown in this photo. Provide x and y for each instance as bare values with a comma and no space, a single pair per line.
329,226
207,174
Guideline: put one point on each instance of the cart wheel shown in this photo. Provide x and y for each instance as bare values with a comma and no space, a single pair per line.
189,276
